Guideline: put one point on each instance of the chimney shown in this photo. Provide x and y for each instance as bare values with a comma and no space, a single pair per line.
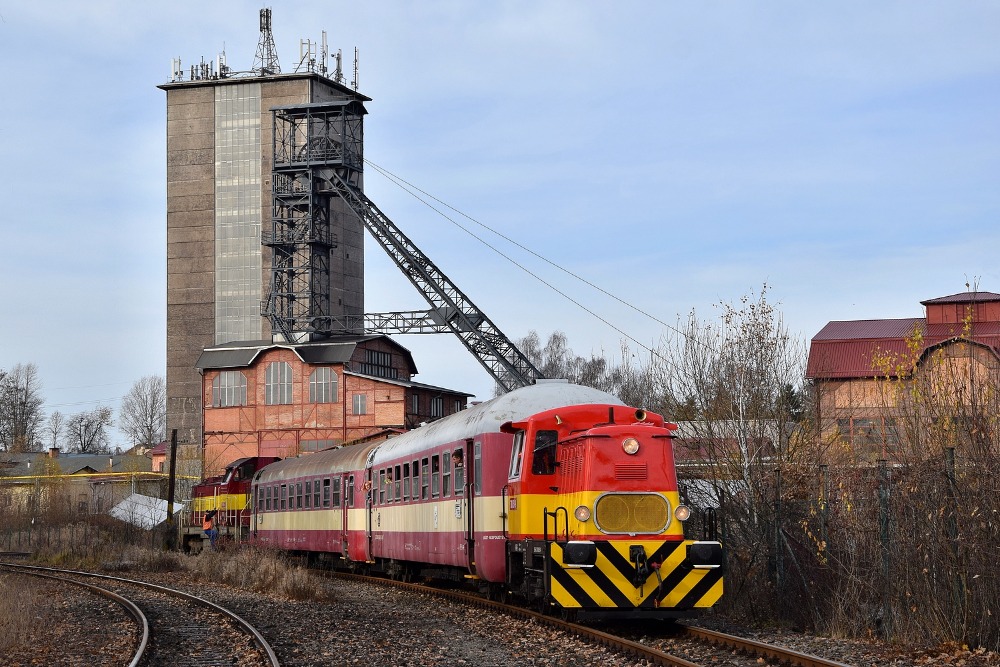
53,452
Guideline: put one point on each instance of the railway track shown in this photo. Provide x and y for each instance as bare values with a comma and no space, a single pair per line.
754,652
173,627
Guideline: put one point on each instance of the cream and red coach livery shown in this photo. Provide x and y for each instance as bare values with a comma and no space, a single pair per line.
555,493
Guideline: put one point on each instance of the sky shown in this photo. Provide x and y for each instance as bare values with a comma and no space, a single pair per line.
676,154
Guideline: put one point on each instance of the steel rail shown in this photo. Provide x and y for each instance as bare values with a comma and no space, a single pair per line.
244,625
654,656
130,607
641,651
785,655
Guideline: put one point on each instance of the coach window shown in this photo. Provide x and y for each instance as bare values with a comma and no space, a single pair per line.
284,494
397,482
349,500
425,479
406,481
326,492
445,474
336,492
477,476
309,489
543,453
381,487
459,466
298,496
415,491
435,476
316,494
516,456
267,499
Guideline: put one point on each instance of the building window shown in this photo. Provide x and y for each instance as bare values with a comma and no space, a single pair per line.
316,445
458,405
379,364
437,407
229,388
323,386
360,404
415,404
278,383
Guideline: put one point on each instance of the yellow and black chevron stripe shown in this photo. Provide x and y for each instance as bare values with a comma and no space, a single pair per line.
609,583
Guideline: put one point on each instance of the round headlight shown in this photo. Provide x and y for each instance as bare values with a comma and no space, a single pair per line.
582,513
630,445
683,512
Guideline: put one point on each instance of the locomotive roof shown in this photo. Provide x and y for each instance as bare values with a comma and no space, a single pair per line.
487,417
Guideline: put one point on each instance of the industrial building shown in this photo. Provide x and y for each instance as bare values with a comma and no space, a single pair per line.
884,386
263,256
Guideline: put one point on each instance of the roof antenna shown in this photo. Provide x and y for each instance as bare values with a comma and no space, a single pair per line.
266,60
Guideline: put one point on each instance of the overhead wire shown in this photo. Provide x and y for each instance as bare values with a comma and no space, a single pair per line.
409,188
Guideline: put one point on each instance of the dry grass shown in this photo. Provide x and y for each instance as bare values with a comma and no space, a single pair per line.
263,570
22,608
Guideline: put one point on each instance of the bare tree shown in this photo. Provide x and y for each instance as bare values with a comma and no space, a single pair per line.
556,360
143,413
20,408
54,427
87,432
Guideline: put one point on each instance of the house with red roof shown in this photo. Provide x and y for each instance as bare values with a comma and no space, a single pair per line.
949,357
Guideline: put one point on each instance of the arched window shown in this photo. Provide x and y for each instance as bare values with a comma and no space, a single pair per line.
278,383
323,386
229,388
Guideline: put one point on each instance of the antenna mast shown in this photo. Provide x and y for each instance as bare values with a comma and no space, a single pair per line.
266,60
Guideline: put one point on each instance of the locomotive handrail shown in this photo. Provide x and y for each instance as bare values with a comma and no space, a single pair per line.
555,524
503,509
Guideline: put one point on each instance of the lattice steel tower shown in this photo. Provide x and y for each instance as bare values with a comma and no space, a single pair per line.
315,146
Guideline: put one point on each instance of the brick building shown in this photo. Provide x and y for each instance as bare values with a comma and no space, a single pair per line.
272,399
856,366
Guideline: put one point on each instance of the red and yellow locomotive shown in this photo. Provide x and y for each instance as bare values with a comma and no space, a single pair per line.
555,493
229,495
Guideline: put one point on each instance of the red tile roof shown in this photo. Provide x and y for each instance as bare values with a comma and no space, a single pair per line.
844,349
965,297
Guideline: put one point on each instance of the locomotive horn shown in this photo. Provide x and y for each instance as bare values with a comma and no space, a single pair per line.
640,415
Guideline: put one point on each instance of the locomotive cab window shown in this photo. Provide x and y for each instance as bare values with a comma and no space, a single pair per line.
543,454
516,456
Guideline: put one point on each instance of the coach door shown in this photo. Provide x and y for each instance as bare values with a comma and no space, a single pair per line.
473,486
346,483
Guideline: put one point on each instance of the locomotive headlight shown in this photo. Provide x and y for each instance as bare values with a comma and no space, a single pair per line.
683,512
630,445
582,513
